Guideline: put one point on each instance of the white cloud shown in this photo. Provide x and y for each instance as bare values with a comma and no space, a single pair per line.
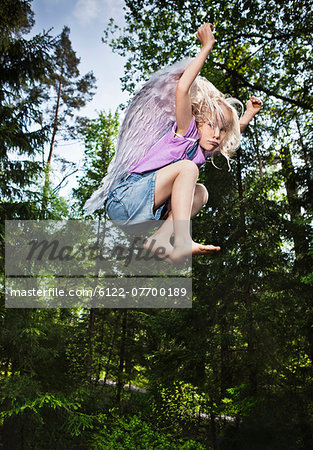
86,11
52,2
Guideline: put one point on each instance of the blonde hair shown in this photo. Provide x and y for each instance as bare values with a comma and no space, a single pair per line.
207,105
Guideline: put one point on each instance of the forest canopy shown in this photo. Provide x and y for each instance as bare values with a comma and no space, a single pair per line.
233,371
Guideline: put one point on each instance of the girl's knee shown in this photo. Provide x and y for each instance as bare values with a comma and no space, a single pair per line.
202,192
188,166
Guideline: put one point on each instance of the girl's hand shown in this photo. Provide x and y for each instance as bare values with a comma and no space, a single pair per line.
183,100
205,35
253,105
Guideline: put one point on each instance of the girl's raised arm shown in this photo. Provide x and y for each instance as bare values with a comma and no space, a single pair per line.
253,107
183,102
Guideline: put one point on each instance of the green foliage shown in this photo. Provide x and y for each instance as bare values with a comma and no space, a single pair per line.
45,400
71,90
238,403
134,433
99,138
242,356
25,64
181,403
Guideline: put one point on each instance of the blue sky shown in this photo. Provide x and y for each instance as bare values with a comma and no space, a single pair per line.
87,19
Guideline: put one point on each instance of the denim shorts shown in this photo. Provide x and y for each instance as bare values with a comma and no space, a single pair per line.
132,201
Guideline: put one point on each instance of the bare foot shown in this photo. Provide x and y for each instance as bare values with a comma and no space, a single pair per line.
181,252
177,255
163,249
159,246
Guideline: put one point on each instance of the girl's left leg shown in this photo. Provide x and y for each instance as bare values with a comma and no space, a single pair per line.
163,235
200,199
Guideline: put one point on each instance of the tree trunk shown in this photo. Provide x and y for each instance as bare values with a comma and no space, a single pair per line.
307,165
297,231
111,349
256,145
240,193
47,169
213,430
92,315
120,377
91,331
226,373
252,370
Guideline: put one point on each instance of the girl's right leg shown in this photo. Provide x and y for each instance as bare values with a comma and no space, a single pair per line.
178,180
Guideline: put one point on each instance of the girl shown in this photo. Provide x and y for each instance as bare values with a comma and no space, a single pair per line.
161,181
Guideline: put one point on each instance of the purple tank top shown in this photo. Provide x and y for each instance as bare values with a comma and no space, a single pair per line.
169,148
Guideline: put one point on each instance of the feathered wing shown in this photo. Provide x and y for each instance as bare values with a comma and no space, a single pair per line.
149,116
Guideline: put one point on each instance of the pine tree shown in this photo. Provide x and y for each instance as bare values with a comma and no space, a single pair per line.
71,92
24,66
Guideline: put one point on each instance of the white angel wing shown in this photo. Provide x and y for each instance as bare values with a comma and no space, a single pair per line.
149,116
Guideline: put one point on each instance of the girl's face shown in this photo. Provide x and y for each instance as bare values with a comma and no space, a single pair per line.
212,132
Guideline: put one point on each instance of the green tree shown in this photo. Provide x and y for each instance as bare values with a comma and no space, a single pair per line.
71,92
25,64
100,140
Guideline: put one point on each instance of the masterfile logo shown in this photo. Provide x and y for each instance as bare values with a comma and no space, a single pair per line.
91,264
